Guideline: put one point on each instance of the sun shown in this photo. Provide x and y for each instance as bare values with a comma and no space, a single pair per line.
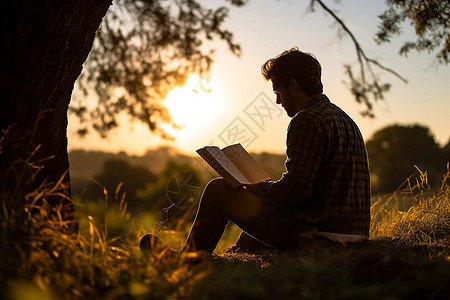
191,106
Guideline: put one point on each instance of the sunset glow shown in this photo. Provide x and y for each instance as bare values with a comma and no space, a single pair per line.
192,107
187,103
236,81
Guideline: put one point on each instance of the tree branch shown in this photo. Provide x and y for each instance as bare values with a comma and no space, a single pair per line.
366,89
359,51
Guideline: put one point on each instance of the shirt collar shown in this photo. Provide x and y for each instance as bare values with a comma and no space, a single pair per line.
317,100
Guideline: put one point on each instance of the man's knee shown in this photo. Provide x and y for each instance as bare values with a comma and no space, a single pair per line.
217,185
215,190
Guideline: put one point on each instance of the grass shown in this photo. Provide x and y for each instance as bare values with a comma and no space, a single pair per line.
407,256
415,215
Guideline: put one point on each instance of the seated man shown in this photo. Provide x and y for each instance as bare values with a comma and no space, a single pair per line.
326,186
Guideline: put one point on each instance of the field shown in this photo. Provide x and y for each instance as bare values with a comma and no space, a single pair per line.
406,257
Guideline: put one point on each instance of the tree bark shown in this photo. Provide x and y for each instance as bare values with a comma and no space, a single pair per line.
43,46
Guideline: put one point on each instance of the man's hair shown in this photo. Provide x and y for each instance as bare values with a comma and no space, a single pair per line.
298,65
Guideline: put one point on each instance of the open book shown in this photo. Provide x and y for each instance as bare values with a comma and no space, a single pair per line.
234,164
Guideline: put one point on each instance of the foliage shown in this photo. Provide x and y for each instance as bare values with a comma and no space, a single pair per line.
425,221
116,171
92,266
365,85
152,199
446,151
430,19
396,149
42,260
142,50
50,264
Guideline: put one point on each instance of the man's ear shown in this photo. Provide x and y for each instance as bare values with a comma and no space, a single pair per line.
293,84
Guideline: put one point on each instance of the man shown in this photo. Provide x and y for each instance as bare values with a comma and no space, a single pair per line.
326,187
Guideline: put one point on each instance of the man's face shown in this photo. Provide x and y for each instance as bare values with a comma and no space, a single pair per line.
284,97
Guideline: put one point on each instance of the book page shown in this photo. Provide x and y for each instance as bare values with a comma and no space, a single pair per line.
243,161
222,165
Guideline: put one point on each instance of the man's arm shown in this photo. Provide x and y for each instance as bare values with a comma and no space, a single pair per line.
305,147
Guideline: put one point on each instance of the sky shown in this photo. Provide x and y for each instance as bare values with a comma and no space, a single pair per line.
241,105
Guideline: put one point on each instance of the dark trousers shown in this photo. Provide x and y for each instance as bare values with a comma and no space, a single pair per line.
219,204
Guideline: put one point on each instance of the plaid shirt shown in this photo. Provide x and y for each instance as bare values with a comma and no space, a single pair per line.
326,186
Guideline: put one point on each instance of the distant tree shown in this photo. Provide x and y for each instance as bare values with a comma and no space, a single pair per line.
431,22
446,156
446,152
115,172
395,151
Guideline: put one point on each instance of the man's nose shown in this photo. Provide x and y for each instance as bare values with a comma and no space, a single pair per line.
278,100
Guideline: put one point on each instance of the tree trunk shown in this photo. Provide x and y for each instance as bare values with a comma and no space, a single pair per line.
43,46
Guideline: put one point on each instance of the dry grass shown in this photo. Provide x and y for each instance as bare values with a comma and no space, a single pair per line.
425,219
42,259
46,261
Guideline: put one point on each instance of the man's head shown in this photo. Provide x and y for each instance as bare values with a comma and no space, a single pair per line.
298,65
295,77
